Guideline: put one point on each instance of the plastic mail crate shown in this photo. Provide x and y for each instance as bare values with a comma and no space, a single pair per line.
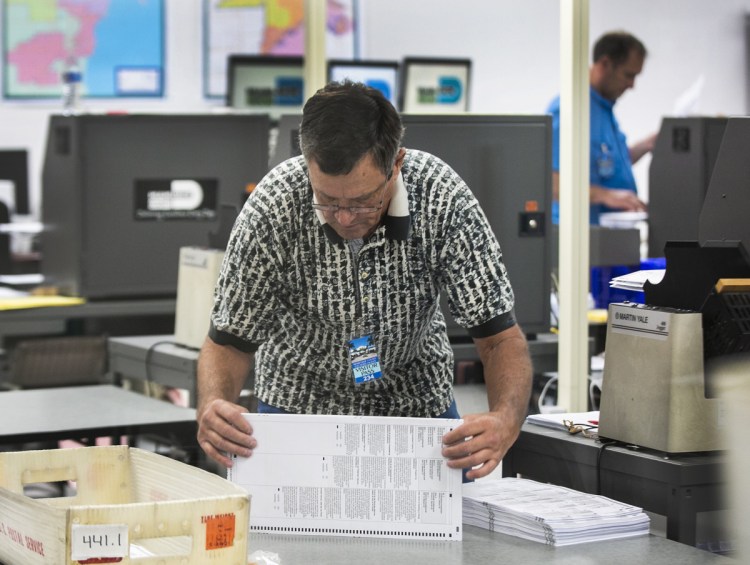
129,506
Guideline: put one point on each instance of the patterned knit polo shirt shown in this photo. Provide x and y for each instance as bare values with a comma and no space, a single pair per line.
294,293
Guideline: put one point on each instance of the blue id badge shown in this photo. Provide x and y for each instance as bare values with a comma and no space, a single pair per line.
364,359
605,163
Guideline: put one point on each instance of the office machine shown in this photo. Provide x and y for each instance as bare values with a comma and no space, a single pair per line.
608,247
432,85
121,194
198,272
681,166
663,358
381,75
286,140
506,161
265,84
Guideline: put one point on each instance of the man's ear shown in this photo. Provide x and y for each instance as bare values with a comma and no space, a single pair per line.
606,63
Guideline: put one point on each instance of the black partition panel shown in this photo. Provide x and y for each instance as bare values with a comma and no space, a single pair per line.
122,194
14,167
506,161
681,167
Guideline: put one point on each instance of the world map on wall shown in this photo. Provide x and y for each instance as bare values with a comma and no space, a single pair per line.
44,38
269,27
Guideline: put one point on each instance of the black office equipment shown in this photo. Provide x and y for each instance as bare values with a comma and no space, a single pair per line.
681,167
122,194
666,358
14,167
506,161
435,85
286,141
265,84
381,75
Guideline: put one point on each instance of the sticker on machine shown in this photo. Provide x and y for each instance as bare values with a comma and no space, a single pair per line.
649,324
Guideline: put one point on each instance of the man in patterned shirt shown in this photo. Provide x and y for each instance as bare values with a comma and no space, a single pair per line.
331,286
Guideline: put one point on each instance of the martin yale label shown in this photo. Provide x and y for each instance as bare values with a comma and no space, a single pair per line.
176,199
639,322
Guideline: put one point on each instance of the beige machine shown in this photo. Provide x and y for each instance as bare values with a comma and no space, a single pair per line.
197,275
654,387
664,360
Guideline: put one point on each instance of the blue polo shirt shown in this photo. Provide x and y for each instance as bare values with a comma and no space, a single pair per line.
610,158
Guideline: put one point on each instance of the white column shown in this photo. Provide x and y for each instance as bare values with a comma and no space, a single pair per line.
315,46
573,357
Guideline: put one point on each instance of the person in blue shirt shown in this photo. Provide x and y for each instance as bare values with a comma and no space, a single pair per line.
618,59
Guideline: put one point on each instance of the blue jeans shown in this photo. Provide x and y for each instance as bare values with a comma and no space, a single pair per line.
451,413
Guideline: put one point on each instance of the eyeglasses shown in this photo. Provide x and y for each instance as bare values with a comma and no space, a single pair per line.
355,210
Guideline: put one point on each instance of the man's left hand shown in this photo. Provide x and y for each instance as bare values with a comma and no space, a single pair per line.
481,442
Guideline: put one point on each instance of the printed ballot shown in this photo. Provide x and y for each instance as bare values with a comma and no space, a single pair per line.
362,476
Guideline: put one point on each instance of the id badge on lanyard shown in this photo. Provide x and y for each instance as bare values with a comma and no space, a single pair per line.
605,163
363,355
364,359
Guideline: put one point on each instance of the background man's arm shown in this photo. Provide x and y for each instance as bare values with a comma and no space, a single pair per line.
641,148
617,198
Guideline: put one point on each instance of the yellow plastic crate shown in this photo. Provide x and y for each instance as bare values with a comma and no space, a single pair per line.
130,506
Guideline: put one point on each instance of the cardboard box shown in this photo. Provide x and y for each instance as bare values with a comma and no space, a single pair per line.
130,506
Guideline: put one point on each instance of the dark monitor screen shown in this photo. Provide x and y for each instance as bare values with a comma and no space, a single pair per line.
382,75
435,86
506,161
265,84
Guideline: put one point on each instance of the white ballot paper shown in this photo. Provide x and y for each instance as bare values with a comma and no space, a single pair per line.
361,476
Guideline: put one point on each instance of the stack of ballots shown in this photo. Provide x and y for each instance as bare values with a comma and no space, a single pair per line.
549,514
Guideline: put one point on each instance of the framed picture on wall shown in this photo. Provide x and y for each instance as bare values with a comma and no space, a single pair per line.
269,28
43,40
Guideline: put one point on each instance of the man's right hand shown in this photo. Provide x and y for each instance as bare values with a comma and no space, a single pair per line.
618,199
224,431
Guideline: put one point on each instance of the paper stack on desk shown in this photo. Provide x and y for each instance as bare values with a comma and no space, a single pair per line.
547,513
557,421
635,281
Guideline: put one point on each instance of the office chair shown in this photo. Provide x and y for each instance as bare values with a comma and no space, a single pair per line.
50,363
58,361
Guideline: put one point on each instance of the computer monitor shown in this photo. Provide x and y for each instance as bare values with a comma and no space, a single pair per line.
265,84
435,86
506,161
382,75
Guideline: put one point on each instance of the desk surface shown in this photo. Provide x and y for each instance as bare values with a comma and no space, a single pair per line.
93,309
53,320
156,358
86,411
161,345
678,487
699,468
478,546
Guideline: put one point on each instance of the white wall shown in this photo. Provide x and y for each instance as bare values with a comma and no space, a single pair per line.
515,53
514,48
